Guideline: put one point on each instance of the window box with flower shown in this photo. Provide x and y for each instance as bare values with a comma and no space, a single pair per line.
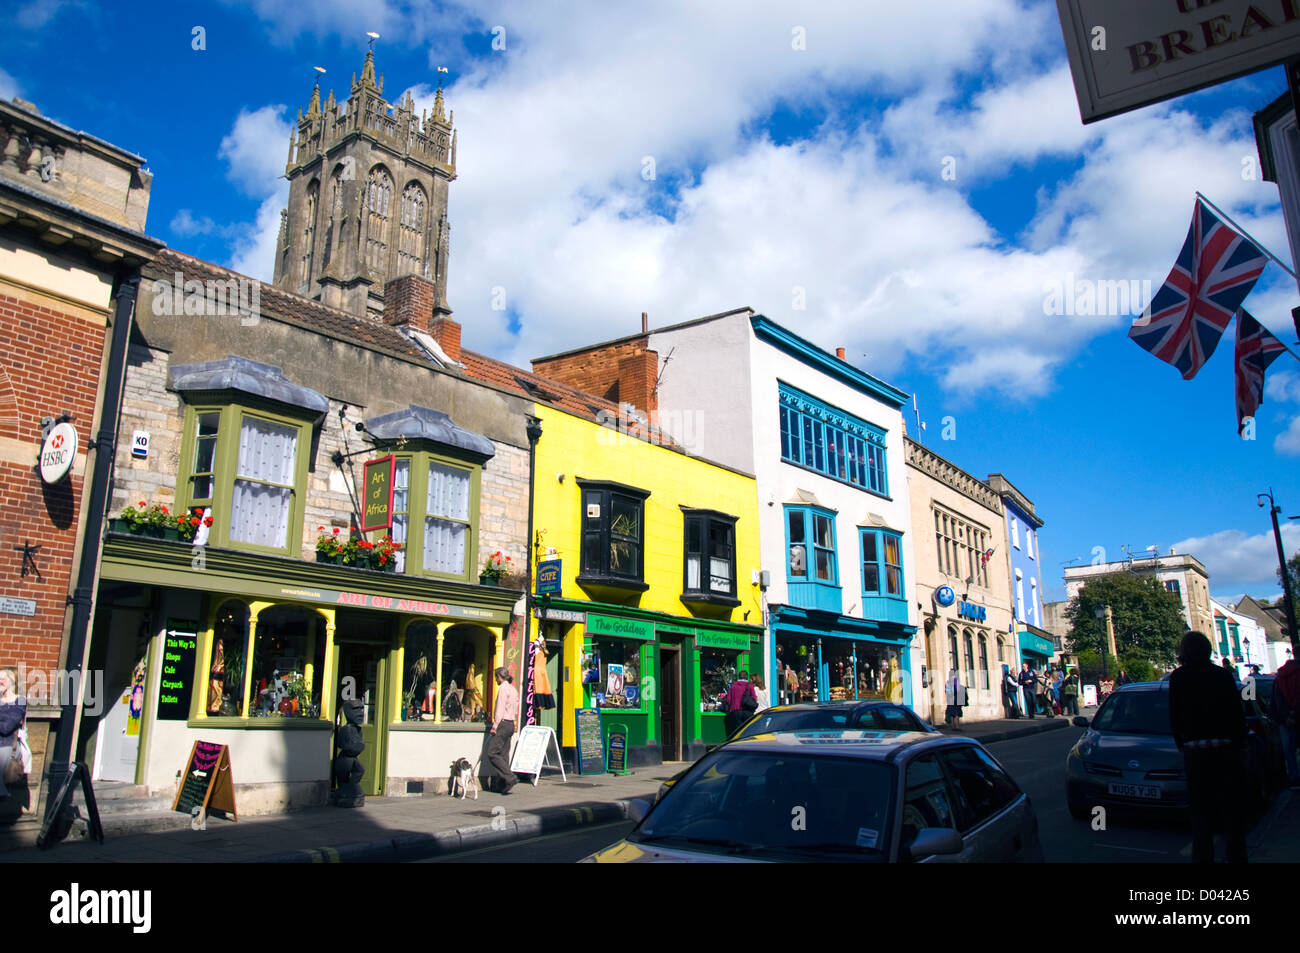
334,547
158,522
495,568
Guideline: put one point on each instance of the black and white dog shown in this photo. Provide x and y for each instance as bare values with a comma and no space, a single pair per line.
462,777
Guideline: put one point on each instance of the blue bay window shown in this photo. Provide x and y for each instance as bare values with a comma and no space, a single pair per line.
818,437
883,597
812,567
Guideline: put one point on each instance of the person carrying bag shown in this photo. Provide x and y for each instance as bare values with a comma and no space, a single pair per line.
15,756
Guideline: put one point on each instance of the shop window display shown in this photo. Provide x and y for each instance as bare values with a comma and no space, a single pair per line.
229,650
613,673
420,687
718,669
466,654
796,663
288,660
862,670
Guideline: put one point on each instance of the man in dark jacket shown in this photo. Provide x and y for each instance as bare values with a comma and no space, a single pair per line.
1210,729
1028,685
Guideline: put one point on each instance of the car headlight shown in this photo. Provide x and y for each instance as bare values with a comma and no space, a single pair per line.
1083,749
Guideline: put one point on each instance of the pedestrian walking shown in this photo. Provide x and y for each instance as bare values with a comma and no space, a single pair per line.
13,712
741,703
504,714
1028,683
954,693
1283,710
761,694
1070,693
1210,729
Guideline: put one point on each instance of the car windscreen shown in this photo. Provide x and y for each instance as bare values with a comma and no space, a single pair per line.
1263,691
777,805
1135,713
810,719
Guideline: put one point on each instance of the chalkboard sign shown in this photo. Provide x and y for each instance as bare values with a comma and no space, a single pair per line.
618,749
176,687
207,782
377,513
591,744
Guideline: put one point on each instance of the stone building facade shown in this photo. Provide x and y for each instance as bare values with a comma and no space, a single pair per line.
965,598
367,198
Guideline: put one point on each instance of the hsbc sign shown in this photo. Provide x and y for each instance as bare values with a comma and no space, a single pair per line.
58,452
1130,53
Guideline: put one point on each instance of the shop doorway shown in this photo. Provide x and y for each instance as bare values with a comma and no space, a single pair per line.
670,700
363,670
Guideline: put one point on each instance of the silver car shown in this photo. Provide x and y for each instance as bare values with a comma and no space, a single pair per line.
868,796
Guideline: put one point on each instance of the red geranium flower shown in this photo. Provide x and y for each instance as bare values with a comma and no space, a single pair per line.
207,521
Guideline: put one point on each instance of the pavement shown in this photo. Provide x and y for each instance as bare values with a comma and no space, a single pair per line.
396,829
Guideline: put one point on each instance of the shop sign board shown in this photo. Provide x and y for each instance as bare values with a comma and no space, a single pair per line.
530,752
969,610
591,743
548,577
618,749
623,628
945,596
176,687
58,452
1125,54
207,782
560,615
378,509
713,639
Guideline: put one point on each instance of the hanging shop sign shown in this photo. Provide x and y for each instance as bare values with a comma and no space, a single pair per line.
58,452
623,628
176,687
945,596
548,577
969,610
1125,54
378,509
207,783
591,743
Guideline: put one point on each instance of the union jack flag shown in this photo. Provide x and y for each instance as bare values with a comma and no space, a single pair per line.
988,554
1213,274
1256,350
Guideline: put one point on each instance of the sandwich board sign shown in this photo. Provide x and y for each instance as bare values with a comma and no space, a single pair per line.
207,783
1125,54
532,751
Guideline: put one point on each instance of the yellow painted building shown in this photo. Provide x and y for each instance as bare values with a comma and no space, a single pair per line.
658,608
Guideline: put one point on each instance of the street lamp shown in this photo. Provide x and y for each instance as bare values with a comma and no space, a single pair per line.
1246,642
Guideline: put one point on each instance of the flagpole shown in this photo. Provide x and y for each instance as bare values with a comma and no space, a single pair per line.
1245,234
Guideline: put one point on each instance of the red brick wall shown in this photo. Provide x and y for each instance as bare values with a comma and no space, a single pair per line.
617,372
409,300
51,360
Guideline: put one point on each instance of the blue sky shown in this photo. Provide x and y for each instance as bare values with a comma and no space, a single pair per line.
918,171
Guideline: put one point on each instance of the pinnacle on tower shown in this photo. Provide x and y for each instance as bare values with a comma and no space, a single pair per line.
368,71
313,108
438,114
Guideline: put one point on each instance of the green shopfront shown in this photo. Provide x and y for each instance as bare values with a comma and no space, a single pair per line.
257,651
661,678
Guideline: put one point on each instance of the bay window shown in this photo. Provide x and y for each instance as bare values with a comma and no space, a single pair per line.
710,562
613,533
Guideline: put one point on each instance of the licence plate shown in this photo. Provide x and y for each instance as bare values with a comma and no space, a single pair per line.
1151,791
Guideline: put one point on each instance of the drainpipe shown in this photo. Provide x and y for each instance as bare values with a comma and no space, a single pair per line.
95,501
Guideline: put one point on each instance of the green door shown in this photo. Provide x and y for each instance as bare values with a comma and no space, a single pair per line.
363,669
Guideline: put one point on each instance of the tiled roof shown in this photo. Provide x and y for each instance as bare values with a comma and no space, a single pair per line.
297,310
568,399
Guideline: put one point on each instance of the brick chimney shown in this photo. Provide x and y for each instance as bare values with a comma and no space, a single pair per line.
408,302
624,372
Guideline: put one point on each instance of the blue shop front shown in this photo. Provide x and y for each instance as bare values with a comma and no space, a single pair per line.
823,656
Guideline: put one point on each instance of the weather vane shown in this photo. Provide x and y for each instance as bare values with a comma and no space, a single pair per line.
373,37
441,70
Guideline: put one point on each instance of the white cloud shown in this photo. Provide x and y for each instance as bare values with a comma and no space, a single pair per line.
1239,561
255,149
184,223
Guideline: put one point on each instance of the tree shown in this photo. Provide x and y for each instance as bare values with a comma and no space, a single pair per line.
1148,618
1293,570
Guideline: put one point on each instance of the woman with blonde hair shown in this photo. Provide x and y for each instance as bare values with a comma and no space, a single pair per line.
13,712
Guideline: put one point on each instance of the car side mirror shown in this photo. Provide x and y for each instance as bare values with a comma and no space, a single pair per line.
930,841
1080,722
637,809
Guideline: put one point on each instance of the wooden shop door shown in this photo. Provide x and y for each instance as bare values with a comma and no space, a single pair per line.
362,669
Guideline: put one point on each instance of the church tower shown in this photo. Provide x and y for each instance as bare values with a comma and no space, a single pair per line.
367,198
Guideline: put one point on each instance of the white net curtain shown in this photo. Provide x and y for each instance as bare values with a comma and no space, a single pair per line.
447,519
263,491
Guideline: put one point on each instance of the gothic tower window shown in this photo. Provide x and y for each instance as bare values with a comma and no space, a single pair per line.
336,214
309,234
378,197
410,249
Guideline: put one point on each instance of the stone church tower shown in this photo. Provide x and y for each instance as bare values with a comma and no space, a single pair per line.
367,198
